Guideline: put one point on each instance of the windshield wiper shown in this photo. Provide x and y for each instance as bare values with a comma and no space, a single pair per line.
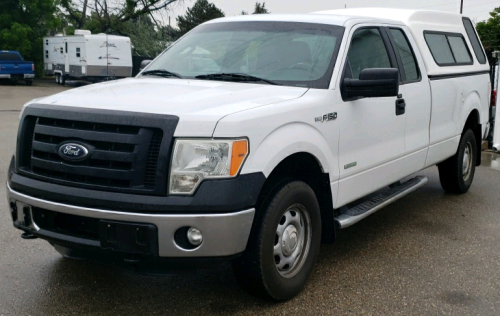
162,73
239,77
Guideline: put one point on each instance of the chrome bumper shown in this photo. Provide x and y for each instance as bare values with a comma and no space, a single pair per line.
26,76
223,234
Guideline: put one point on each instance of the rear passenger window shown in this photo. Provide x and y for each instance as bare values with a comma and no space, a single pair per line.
448,49
476,45
367,51
406,54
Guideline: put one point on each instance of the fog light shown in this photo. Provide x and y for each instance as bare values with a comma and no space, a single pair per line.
194,236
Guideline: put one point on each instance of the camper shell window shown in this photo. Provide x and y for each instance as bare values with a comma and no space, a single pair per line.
448,49
474,40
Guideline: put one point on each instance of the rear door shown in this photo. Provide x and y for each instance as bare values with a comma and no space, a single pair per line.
416,95
372,133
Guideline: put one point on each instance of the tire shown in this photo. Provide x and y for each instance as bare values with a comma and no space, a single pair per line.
62,80
456,173
284,244
28,82
58,78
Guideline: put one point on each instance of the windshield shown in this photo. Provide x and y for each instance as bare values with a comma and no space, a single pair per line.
286,53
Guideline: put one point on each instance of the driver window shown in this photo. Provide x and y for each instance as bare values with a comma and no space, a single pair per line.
367,51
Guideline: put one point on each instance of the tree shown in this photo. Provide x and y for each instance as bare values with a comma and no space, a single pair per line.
23,23
260,8
108,16
489,32
147,39
201,11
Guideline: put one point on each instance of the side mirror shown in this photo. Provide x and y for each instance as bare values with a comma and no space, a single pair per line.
144,63
372,82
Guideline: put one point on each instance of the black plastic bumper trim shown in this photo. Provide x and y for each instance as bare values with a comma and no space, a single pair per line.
213,196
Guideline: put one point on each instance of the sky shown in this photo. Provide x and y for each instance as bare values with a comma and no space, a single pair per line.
477,10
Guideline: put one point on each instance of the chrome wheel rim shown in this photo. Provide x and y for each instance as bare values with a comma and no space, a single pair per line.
467,162
292,240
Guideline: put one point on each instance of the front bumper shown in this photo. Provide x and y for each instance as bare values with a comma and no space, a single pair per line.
223,234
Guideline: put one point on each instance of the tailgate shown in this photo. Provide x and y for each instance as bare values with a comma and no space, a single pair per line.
16,67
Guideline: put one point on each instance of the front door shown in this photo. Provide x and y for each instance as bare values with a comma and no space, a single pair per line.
372,132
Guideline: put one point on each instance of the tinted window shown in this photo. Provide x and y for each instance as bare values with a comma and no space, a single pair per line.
406,53
459,49
439,48
476,45
9,56
367,51
78,52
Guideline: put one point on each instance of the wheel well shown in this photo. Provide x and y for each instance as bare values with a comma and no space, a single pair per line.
305,167
473,124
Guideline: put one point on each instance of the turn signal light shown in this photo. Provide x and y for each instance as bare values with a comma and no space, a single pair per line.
238,155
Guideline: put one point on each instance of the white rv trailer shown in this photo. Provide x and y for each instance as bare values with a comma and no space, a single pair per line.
87,56
496,112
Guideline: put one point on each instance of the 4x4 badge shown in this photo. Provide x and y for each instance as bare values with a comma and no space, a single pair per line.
327,117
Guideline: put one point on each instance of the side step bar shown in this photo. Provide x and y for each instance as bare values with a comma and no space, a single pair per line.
367,206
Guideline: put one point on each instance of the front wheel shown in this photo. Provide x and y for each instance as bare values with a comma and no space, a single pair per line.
284,243
456,173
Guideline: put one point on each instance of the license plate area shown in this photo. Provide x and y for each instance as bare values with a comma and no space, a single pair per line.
130,238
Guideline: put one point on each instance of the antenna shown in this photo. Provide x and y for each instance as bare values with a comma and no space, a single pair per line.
107,57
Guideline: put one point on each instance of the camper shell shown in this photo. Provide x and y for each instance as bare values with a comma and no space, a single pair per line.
87,56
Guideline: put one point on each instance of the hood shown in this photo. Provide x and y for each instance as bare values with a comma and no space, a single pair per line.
199,104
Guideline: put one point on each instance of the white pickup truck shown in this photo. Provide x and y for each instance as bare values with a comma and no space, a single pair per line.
254,139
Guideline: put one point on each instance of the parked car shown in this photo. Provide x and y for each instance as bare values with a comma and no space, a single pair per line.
13,67
253,139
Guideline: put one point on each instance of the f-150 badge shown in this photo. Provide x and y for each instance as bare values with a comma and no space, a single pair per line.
327,117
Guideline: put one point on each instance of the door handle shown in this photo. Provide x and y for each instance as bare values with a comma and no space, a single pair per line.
400,105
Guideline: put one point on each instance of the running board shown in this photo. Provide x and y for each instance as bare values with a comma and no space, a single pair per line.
374,202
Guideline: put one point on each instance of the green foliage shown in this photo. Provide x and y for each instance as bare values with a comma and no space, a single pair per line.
489,32
147,39
200,12
260,8
23,23
110,17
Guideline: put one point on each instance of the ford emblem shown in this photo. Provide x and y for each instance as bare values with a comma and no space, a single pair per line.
73,151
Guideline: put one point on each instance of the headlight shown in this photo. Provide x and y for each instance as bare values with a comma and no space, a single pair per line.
196,160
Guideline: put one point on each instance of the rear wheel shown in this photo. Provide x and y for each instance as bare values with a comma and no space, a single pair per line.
456,173
284,243
28,82
62,80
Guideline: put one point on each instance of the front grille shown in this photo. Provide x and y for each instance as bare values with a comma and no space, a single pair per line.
122,157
